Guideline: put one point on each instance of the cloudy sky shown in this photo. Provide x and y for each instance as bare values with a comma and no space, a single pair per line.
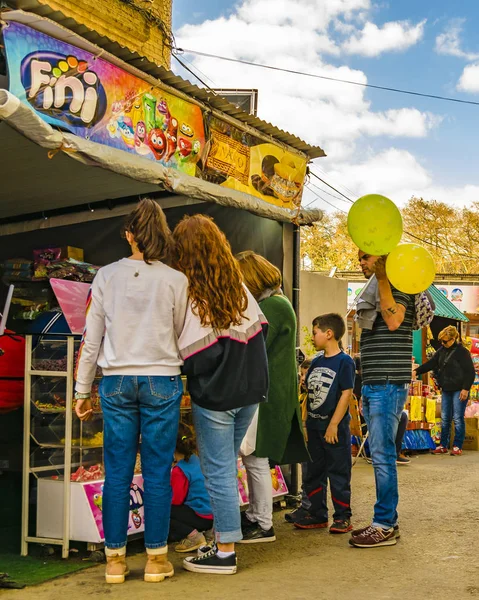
376,141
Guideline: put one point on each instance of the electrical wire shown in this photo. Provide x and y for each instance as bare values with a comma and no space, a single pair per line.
336,79
196,69
330,186
318,197
193,73
326,192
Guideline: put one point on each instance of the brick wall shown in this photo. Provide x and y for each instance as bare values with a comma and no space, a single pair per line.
122,23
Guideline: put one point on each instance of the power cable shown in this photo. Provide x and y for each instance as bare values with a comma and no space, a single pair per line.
193,73
336,79
318,197
330,186
327,193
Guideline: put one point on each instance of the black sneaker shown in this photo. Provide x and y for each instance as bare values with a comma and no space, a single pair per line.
341,526
246,524
294,515
210,562
309,521
258,536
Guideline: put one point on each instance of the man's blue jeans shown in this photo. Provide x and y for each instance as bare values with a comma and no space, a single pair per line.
382,408
219,435
131,406
452,409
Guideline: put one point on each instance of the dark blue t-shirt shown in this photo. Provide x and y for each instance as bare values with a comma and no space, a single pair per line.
326,380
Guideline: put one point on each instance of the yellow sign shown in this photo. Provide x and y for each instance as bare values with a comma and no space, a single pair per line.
239,161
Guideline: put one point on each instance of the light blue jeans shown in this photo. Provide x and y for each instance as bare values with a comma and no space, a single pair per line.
219,435
131,406
452,409
382,408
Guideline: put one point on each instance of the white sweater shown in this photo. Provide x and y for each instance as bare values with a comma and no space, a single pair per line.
135,316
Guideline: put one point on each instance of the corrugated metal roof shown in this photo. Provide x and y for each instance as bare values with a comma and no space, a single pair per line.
169,78
444,307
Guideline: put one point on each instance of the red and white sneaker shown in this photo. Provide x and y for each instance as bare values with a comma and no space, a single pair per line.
456,451
440,450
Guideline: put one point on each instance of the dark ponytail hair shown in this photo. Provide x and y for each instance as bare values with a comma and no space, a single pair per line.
148,225
186,441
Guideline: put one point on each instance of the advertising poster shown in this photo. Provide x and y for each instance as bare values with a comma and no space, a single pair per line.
91,98
94,494
239,161
277,482
83,94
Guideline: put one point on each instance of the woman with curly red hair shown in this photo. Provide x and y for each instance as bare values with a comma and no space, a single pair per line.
224,353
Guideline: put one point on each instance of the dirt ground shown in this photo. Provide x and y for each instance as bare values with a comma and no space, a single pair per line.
436,557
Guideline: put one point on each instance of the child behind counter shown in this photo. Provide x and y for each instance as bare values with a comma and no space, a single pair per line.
191,513
330,382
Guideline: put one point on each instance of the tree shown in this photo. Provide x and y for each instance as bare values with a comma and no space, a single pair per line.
450,234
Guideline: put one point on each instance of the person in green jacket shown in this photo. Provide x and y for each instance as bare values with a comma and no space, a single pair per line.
279,434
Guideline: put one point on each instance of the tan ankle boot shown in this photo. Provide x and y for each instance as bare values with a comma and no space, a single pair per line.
116,569
158,567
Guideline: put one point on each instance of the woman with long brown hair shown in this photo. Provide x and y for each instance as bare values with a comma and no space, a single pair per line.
136,313
224,355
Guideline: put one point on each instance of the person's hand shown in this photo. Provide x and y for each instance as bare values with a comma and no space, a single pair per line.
379,269
84,409
331,435
305,431
464,395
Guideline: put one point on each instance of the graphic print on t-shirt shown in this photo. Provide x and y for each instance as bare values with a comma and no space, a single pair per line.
319,384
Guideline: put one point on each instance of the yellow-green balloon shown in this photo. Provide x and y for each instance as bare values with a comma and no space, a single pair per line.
375,224
410,268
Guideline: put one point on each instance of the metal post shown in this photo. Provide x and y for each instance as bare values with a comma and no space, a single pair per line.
68,447
26,446
296,305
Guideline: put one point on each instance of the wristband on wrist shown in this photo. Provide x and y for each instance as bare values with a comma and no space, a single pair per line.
79,396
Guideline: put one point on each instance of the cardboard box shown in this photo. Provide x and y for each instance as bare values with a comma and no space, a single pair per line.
471,439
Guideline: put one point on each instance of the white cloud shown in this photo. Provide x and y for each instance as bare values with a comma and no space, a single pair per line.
449,42
394,36
394,173
302,35
469,80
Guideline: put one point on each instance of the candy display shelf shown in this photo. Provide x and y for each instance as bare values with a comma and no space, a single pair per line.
63,453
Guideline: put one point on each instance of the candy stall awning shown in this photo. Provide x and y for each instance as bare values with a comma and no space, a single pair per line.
44,169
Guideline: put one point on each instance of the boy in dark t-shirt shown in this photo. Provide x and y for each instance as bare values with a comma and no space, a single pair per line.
330,382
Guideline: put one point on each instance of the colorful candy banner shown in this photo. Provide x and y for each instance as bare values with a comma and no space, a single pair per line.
76,91
91,98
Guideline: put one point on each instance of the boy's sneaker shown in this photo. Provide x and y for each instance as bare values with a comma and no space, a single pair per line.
258,535
402,460
456,451
191,543
210,562
294,515
339,526
309,521
374,537
440,450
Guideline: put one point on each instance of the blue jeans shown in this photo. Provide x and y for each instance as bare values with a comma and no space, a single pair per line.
131,406
382,408
219,435
452,408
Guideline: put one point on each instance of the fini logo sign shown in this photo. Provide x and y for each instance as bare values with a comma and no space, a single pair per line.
63,87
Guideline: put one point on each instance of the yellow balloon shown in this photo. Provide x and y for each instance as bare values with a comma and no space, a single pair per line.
410,268
375,224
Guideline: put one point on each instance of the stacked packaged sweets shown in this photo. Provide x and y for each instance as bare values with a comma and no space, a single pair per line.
17,269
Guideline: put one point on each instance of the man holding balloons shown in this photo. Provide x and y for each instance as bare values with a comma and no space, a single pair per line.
396,273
